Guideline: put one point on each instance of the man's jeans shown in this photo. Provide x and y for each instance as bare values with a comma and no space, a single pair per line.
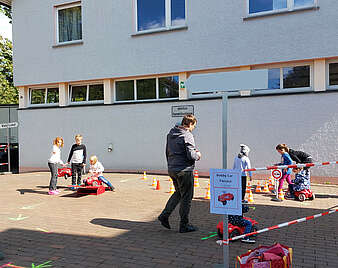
184,192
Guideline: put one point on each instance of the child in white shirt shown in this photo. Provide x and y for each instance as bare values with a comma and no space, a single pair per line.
96,169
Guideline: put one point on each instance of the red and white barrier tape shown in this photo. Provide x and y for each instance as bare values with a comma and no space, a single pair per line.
292,166
220,242
2,164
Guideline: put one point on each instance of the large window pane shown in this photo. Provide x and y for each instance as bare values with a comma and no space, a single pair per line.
79,93
52,95
266,5
274,78
150,14
125,90
146,89
333,74
70,25
296,77
177,12
38,96
299,3
168,87
96,92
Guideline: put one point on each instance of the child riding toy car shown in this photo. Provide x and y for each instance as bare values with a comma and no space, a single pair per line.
234,230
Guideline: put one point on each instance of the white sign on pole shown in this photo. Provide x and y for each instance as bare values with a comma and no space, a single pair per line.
9,125
276,174
225,191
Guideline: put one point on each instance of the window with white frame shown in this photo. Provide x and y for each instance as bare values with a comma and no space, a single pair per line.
86,93
333,74
147,89
157,14
44,96
289,77
68,23
258,6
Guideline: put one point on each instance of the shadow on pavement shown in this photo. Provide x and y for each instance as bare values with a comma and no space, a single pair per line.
148,244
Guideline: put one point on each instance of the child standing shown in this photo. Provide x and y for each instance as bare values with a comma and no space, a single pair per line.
238,220
286,173
241,162
96,170
77,158
53,161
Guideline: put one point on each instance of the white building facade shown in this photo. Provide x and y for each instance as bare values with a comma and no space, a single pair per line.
115,71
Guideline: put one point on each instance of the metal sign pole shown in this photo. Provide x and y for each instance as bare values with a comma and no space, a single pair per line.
9,152
224,145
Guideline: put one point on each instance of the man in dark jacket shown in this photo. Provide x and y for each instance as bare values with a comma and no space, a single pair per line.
181,156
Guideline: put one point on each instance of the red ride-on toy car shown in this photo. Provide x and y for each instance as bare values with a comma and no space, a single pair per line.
225,197
234,230
92,181
91,186
64,172
304,194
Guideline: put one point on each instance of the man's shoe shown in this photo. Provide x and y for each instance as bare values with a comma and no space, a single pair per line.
248,240
188,228
164,221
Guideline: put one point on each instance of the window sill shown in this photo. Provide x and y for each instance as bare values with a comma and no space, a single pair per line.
160,30
44,105
71,43
75,103
281,11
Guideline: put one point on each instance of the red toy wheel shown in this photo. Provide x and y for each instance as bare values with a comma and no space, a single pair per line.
301,197
66,176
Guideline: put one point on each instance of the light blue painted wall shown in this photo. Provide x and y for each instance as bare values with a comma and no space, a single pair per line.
217,36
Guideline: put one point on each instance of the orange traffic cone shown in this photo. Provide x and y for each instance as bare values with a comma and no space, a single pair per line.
158,187
266,187
207,195
144,176
250,198
281,195
271,187
196,183
258,187
172,188
154,182
248,187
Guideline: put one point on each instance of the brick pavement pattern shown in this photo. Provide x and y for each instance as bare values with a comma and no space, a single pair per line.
120,229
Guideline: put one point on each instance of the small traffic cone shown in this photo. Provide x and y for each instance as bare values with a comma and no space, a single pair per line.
250,198
248,187
196,183
154,182
144,176
158,187
258,187
266,187
172,188
271,187
207,195
281,195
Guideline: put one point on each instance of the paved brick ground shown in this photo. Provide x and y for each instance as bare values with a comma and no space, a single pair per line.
120,229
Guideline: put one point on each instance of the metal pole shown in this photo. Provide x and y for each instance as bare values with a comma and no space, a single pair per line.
224,145
9,151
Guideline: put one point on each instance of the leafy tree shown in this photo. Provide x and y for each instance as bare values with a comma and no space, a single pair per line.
8,93
7,11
